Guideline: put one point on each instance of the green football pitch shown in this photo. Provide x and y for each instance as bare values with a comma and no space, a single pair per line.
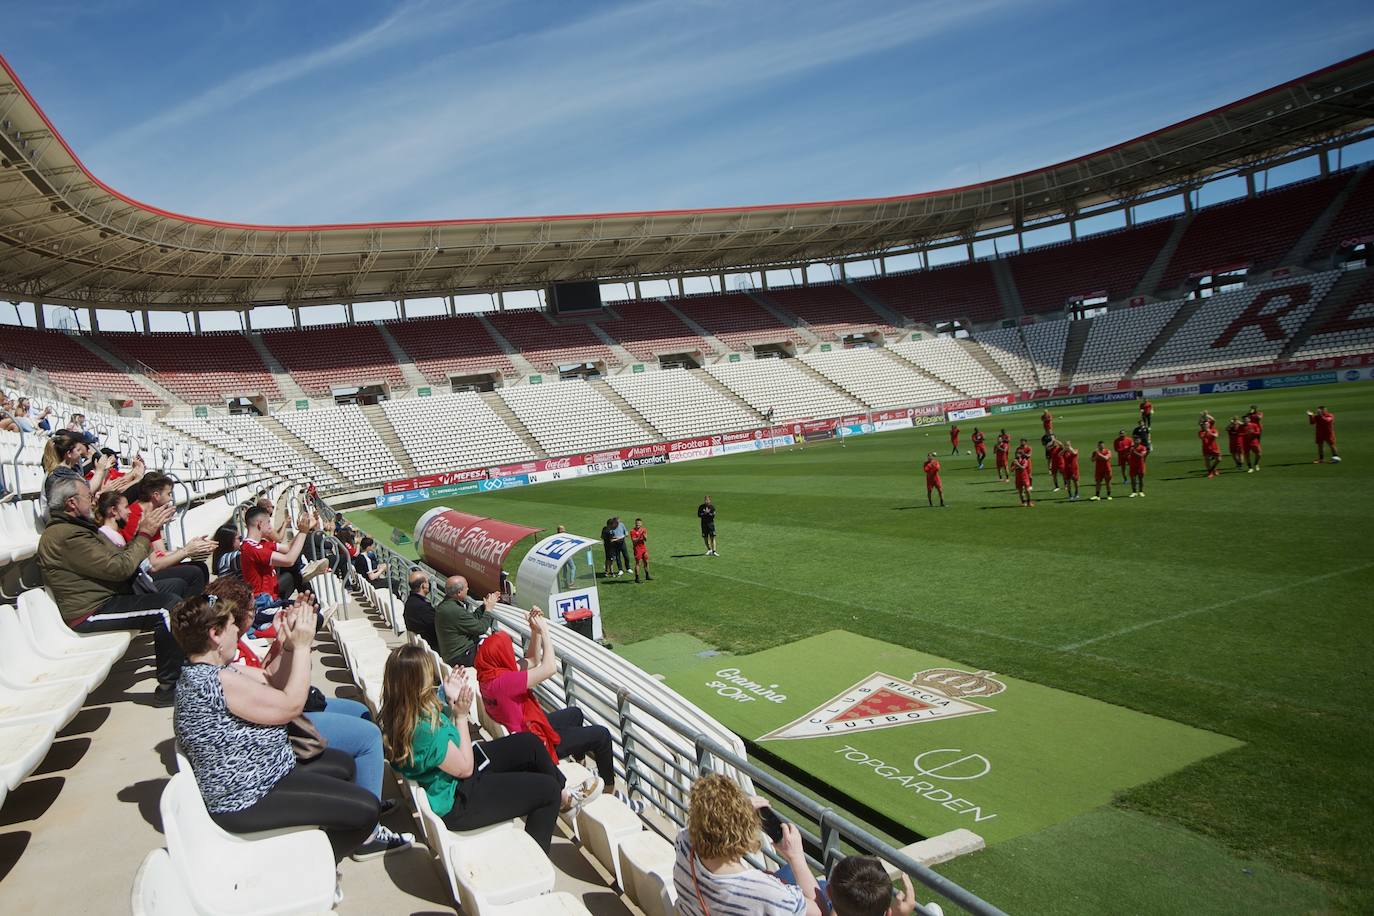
1238,606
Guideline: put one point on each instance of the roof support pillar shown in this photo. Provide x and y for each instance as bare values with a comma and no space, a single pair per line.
143,320
401,309
1324,162
501,300
195,320
763,278
1249,184
348,310
925,259
450,305
90,321
844,276
882,266
968,247
38,319
1073,229
638,294
679,286
722,282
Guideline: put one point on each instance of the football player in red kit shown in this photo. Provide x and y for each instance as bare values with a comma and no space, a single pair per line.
1211,448
933,484
1251,431
954,439
1147,413
1068,459
1054,457
1002,451
1024,451
639,537
1139,452
980,446
1021,470
1102,470
1255,416
1235,435
1047,420
1123,444
1325,423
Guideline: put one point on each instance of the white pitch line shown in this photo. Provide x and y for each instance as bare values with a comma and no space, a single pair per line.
1146,624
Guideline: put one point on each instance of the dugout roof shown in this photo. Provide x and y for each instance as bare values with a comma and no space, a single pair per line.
67,237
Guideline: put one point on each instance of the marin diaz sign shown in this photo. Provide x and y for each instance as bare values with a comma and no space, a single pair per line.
458,544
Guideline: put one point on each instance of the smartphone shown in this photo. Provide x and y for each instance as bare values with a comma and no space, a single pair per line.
772,824
480,761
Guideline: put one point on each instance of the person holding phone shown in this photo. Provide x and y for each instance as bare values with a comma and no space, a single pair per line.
710,873
469,785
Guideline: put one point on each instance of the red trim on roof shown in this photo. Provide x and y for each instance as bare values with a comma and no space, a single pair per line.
639,214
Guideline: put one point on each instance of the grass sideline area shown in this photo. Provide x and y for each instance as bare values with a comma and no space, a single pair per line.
1237,605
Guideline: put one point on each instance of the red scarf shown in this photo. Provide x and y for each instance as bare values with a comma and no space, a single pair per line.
495,657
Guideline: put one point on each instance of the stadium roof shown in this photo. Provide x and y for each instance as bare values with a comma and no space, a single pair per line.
69,238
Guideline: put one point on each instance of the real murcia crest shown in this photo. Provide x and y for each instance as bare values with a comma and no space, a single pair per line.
883,701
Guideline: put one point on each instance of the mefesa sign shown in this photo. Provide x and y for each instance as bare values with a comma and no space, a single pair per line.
434,480
472,546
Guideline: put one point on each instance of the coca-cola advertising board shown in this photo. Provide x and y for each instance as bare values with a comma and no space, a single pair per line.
473,546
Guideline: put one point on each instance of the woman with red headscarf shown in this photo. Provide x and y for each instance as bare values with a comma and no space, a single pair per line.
507,687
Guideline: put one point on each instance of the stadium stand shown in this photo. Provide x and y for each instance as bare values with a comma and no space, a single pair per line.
199,368
1008,350
830,310
1348,332
1256,231
1045,344
678,404
548,346
737,320
965,291
778,385
1356,219
649,329
571,417
246,438
1109,264
1241,327
453,431
445,346
1116,339
877,380
343,437
947,360
323,358
70,366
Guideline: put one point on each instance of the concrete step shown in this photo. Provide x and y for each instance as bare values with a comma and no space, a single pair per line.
624,406
377,417
1302,249
413,376
523,367
920,370
1007,292
881,308
142,377
975,349
1073,350
725,392
716,343
285,383
502,410
859,403
1176,322
1335,300
786,317
1149,282
311,458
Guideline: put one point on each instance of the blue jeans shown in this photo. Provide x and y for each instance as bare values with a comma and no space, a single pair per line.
343,725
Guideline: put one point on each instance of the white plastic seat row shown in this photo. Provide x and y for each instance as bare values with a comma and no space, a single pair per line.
24,662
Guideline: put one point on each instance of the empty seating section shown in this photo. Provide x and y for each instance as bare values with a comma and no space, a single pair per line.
1008,350
245,437
443,347
70,365
1241,327
737,320
830,310
571,417
451,432
1356,219
678,404
958,291
1349,331
1045,344
1259,230
201,368
948,361
336,356
650,328
1110,264
789,391
550,346
877,380
1116,340
343,437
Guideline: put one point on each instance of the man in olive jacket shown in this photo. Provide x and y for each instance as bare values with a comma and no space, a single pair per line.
458,626
91,577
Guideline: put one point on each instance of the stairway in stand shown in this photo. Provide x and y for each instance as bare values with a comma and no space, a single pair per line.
1073,350
312,460
502,410
377,417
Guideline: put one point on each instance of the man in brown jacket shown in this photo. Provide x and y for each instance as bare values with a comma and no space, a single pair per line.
92,578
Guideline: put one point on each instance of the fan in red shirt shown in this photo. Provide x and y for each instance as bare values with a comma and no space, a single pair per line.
980,446
1102,470
639,539
1235,435
1325,423
1054,457
1002,452
1123,444
1139,452
1021,470
933,483
1047,420
1251,431
1211,449
260,557
1068,461
954,439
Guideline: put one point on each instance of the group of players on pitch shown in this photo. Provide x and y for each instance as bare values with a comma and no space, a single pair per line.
1131,451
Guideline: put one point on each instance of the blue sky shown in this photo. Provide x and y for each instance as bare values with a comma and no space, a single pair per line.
307,111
